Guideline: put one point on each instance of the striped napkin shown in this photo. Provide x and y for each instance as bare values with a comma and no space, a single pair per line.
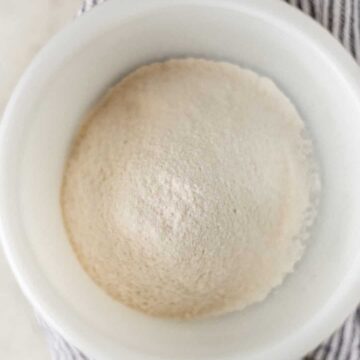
342,19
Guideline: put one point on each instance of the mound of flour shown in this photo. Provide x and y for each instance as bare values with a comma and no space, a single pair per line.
190,189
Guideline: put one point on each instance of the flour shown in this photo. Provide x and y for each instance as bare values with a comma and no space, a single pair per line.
190,189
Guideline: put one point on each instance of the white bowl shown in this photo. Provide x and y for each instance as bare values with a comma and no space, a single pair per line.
70,74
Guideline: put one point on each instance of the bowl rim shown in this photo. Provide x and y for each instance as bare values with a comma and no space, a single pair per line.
99,20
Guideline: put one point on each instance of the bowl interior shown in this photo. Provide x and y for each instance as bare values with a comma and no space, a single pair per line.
71,81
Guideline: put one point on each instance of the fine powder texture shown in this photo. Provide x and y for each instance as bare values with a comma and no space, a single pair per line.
190,189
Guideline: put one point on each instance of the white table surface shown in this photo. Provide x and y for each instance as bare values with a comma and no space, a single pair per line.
25,25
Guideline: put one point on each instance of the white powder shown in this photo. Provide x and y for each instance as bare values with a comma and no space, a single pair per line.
190,189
